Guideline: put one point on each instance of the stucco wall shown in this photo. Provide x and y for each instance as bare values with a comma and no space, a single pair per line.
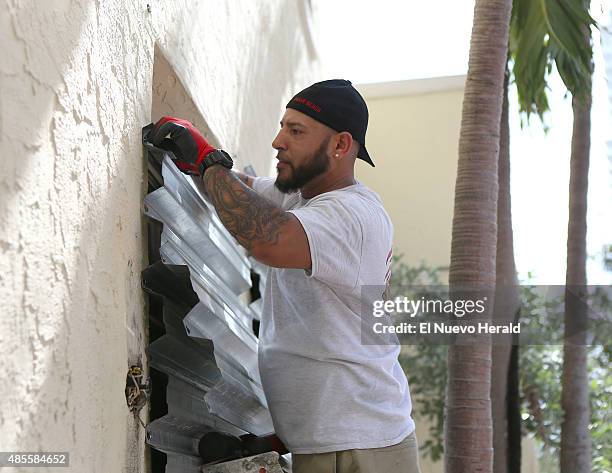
76,81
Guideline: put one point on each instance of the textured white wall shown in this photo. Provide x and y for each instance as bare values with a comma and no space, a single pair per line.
76,88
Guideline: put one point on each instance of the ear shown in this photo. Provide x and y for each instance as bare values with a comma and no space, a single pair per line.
342,144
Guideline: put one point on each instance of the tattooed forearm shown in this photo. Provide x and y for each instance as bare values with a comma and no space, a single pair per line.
249,217
248,180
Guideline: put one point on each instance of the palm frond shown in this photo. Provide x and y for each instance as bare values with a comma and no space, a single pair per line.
544,33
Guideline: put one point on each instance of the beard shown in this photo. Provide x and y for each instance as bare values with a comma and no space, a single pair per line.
301,175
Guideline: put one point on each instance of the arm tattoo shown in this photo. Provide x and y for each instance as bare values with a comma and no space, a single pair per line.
248,180
248,216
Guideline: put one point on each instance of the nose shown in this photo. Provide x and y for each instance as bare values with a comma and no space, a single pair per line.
279,143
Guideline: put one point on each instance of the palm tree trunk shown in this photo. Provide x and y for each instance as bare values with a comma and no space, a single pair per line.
506,297
575,438
468,427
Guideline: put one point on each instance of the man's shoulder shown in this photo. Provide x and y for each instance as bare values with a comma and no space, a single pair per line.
367,202
359,202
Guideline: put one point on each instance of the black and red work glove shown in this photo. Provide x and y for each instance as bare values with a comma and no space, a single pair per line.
184,141
216,446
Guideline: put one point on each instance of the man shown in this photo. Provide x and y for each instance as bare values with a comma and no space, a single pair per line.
338,404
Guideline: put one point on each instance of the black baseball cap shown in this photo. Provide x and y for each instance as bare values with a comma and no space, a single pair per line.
337,104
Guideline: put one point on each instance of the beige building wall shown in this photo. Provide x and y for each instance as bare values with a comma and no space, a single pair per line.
77,86
413,136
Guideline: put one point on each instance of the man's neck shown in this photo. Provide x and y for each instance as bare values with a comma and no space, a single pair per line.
322,184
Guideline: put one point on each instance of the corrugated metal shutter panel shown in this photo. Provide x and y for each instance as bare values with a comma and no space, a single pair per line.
209,350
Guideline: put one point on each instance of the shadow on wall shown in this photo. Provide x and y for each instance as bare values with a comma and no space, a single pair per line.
169,97
279,43
275,61
72,251
32,82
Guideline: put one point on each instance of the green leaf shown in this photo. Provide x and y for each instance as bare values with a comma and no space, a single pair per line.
544,33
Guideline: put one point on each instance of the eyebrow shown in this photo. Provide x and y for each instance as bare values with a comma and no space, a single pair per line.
292,124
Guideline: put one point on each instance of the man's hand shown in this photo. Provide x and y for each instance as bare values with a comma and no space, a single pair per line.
185,141
215,446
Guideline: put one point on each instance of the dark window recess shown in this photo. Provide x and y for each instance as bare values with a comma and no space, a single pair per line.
159,381
206,390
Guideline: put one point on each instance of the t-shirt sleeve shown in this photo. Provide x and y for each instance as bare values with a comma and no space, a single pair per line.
335,237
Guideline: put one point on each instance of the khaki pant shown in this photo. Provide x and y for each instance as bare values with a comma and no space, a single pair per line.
399,458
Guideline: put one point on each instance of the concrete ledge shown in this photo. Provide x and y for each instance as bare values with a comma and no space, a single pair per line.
411,87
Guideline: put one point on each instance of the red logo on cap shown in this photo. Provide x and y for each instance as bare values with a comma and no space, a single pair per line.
308,103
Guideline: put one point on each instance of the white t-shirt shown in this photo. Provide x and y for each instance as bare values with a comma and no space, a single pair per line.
326,390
